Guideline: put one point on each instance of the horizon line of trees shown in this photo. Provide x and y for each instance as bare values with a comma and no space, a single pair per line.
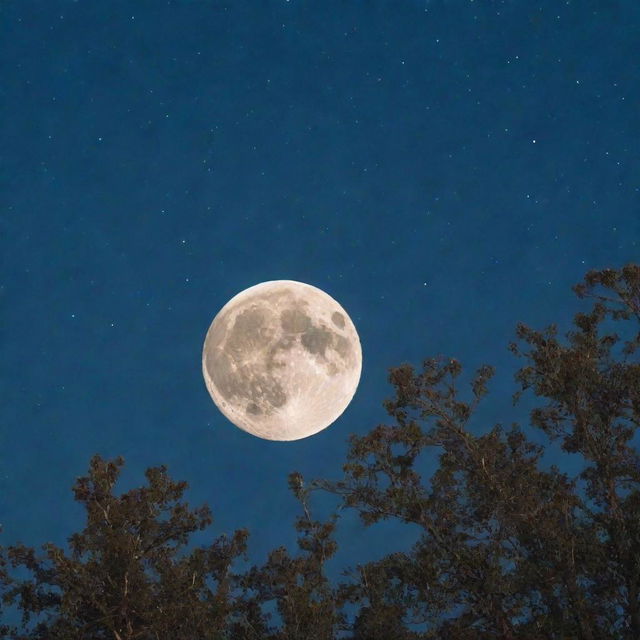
506,550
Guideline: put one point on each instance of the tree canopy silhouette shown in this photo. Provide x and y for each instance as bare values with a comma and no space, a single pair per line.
507,549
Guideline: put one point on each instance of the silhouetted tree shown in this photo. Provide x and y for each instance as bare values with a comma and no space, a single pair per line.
507,550
122,579
308,607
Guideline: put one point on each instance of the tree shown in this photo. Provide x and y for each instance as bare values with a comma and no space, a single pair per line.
507,549
309,607
122,579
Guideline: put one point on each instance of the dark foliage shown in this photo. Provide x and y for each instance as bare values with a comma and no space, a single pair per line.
507,549
122,578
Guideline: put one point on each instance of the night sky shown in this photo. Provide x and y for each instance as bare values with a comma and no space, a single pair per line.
443,169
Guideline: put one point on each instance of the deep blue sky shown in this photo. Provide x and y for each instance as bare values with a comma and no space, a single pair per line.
443,169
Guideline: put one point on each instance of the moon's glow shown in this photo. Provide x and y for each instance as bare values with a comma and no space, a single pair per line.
282,360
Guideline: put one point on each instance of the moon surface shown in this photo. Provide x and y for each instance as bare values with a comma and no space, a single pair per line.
282,360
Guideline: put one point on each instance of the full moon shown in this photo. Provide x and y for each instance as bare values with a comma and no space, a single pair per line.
282,360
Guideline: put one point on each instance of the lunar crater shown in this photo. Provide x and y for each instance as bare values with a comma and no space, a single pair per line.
337,319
